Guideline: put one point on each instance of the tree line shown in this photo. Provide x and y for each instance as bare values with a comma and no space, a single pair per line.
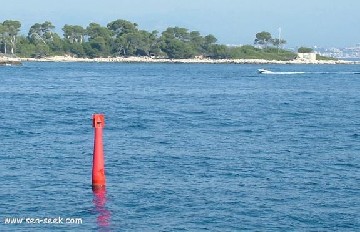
124,38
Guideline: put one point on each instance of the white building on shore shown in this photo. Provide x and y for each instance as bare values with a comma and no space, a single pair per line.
311,56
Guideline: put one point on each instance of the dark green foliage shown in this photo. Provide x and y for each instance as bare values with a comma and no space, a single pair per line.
178,42
121,27
24,47
123,38
269,53
41,33
74,34
305,50
218,51
56,45
178,49
75,49
41,50
319,57
263,38
9,30
89,51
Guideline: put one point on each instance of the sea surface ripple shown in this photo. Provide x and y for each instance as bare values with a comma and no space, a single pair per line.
188,147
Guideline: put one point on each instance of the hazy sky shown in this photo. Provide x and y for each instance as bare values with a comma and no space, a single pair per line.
323,23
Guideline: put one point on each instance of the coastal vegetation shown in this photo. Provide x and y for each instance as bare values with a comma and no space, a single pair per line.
305,50
310,50
122,38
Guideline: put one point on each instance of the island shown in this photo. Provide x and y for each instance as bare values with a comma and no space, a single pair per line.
123,41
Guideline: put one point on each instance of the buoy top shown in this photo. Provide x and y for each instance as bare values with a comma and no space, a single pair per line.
98,121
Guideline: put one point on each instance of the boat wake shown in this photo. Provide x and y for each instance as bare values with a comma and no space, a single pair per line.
265,71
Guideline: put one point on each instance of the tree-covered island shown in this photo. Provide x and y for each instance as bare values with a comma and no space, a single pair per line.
121,38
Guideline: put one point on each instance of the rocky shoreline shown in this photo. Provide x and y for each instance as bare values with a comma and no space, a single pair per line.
9,62
5,60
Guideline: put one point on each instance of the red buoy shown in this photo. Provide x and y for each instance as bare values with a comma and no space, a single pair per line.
98,169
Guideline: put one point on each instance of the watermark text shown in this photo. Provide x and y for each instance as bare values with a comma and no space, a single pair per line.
42,220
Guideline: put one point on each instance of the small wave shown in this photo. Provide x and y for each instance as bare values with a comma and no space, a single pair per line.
355,135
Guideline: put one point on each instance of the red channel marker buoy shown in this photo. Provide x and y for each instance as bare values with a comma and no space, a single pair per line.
98,170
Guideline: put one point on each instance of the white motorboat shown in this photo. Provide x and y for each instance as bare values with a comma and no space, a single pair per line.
263,71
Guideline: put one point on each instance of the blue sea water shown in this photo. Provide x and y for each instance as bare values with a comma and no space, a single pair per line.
188,147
